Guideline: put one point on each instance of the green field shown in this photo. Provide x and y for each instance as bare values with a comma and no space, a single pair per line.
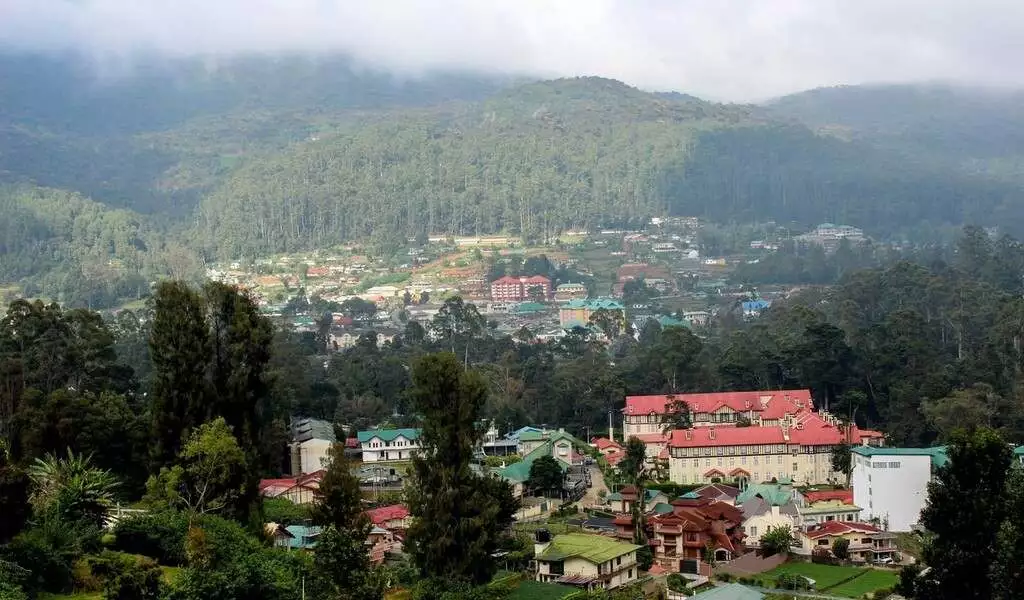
535,590
849,582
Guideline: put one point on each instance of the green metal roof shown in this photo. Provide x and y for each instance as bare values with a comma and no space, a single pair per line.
938,453
388,435
594,304
691,496
1019,451
662,509
775,494
829,506
520,471
596,549
667,321
530,307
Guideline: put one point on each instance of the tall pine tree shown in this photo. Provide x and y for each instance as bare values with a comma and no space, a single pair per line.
459,515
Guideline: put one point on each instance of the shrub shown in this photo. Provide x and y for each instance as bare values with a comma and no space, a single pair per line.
676,582
47,553
841,548
644,558
127,577
9,591
791,581
726,577
159,535
84,578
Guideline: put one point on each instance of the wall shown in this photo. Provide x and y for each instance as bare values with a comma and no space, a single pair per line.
898,494
757,526
312,454
810,467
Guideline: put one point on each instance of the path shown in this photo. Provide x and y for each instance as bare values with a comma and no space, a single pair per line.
800,594
592,497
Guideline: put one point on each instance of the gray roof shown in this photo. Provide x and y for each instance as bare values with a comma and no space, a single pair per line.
305,429
759,506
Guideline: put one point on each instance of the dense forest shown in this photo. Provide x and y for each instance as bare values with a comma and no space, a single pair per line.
240,158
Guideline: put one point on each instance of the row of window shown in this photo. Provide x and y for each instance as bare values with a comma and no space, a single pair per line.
885,465
396,444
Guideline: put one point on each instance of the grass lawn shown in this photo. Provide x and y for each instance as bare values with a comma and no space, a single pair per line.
170,574
829,579
534,590
871,580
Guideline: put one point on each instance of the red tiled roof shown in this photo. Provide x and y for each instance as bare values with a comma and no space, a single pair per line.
506,280
651,438
700,437
605,443
840,528
777,402
351,442
614,459
713,472
382,515
537,279
281,483
846,496
739,471
715,490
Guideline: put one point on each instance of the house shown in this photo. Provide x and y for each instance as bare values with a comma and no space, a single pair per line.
867,542
623,501
279,534
380,541
302,537
719,492
612,451
585,561
576,313
891,484
767,506
829,505
393,518
299,490
753,308
382,445
564,447
696,524
570,291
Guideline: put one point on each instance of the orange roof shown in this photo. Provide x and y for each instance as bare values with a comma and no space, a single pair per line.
846,496
651,438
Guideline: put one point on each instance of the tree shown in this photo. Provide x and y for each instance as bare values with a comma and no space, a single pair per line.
338,497
1008,566
777,540
14,505
842,460
456,323
841,548
676,415
632,464
341,566
71,489
210,475
178,346
966,500
546,475
459,515
963,409
127,577
610,322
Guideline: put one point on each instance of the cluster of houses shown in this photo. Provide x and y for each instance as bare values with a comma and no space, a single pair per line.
755,461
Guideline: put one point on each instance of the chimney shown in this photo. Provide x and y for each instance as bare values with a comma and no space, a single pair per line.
775,510
541,541
785,433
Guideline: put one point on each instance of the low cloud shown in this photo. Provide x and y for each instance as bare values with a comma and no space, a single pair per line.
722,49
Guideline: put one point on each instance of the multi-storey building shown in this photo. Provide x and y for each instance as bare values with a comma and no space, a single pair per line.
517,289
585,561
381,445
891,484
742,437
576,313
695,524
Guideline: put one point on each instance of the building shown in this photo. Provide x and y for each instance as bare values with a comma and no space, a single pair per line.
564,447
310,456
718,492
891,484
647,414
829,505
623,501
379,445
517,289
576,313
732,591
586,561
299,490
695,524
570,291
393,518
867,542
766,506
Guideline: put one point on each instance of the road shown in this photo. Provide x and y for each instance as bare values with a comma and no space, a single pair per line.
592,497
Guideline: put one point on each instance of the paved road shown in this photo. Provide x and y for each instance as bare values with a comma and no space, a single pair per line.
591,498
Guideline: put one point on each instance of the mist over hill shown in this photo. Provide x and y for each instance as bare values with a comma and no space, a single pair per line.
258,155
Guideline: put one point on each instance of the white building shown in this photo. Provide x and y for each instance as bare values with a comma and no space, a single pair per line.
381,445
891,484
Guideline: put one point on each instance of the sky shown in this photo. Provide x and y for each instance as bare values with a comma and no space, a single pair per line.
737,50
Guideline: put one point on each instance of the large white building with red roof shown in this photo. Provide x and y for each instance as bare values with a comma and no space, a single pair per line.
743,437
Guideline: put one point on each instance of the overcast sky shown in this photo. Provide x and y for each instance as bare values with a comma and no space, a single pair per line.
720,49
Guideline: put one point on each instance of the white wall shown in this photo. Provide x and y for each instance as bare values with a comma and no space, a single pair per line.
312,454
884,490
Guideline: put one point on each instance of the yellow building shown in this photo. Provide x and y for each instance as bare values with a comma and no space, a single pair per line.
577,313
585,561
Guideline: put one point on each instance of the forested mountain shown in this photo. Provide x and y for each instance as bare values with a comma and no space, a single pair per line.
260,155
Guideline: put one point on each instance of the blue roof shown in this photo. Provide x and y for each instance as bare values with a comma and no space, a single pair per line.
303,538
756,304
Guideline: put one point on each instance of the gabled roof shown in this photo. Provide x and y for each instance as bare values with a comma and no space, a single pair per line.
594,304
602,443
709,402
717,490
380,516
388,435
595,549
840,528
732,591
775,494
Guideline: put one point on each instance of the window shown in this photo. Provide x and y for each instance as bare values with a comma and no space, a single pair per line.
556,568
719,462
696,463
743,460
796,467
780,460
629,575
823,542
865,540
732,461
753,531
618,561
707,462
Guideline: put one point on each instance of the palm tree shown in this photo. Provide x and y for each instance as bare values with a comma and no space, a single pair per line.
71,488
